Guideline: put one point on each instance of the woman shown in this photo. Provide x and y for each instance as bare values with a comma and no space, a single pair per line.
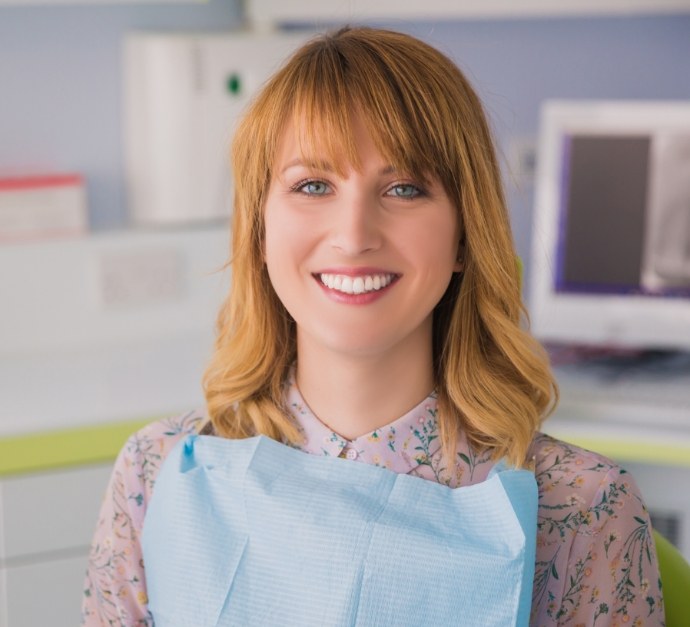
374,315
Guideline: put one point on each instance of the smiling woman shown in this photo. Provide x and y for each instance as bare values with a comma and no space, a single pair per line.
349,93
330,238
374,317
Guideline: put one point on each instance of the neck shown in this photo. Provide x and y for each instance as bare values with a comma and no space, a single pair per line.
354,395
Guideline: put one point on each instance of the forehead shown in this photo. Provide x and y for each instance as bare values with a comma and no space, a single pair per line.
317,146
344,142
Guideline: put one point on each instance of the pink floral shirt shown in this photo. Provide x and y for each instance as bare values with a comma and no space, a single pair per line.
595,565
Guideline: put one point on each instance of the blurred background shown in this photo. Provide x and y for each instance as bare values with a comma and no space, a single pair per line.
115,121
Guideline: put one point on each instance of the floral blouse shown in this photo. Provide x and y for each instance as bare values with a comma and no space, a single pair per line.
596,563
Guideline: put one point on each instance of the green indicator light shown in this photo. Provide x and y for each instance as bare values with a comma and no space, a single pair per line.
234,84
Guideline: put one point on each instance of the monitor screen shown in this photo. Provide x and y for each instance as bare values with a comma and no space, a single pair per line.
611,240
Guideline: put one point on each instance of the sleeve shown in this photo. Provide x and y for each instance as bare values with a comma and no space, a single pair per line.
115,588
612,576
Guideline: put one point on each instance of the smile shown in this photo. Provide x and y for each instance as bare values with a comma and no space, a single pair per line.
356,285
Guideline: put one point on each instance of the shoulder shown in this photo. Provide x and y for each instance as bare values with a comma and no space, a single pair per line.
168,431
556,461
580,491
569,475
548,450
145,451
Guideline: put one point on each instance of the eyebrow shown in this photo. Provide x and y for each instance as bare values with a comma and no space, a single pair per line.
326,167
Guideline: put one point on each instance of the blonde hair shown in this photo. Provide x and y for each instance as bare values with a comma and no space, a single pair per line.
493,379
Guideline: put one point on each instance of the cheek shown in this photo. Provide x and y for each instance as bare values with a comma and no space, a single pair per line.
434,240
276,232
286,254
277,266
276,252
281,240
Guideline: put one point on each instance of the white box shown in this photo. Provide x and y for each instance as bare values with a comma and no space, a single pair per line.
42,207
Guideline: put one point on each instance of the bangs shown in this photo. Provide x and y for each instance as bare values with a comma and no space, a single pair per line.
336,80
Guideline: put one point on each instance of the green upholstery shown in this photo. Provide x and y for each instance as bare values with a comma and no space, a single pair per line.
675,582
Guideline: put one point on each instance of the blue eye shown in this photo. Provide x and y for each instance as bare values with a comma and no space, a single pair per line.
404,190
312,188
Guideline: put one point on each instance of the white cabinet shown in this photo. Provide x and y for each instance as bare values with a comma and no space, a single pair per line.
46,524
132,316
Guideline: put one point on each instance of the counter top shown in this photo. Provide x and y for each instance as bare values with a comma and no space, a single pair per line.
64,448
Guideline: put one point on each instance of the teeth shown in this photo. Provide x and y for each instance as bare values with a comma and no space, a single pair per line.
356,285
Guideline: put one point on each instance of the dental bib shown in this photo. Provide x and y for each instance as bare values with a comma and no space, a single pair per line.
254,533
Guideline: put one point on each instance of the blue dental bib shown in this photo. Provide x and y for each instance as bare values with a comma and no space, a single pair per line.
254,533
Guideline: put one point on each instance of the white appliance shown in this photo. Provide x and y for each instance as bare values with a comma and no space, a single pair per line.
611,238
183,96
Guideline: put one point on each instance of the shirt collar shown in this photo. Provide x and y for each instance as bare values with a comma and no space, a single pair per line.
400,446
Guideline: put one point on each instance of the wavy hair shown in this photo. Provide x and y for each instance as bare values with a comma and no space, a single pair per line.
492,378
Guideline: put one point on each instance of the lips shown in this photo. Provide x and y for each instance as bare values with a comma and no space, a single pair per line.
360,284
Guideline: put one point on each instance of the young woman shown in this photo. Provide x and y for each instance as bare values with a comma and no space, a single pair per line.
375,324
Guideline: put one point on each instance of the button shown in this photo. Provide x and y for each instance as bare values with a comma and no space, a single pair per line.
351,453
234,84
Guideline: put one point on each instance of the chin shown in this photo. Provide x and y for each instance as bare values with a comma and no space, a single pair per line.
356,343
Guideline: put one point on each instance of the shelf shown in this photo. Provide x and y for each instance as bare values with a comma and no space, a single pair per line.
623,445
306,11
634,412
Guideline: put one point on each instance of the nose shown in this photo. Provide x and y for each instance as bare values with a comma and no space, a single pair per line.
357,226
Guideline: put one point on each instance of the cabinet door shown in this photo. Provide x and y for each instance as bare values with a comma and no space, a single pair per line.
47,521
44,593
49,512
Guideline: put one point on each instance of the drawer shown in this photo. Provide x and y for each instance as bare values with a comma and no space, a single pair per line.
56,511
43,594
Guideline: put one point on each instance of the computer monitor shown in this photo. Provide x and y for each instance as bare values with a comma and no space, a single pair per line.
611,239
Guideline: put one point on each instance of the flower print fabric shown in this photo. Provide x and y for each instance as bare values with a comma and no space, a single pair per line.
595,565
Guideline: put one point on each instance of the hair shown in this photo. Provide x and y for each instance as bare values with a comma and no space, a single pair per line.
492,378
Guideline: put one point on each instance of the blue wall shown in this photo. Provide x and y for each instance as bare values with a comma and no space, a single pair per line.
61,88
60,79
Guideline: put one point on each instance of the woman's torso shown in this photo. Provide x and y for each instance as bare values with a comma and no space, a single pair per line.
595,561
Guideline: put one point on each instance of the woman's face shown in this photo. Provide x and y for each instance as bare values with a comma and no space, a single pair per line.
359,261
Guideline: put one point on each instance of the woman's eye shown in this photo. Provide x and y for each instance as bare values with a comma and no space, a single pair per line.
312,188
404,190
